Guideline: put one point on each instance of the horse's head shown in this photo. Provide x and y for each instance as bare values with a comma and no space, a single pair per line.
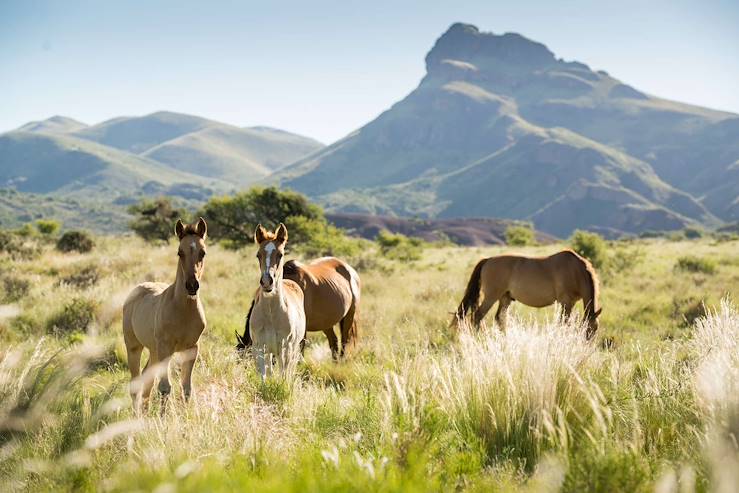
191,252
270,254
593,323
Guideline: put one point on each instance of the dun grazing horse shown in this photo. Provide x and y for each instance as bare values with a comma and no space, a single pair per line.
167,318
564,277
277,325
331,289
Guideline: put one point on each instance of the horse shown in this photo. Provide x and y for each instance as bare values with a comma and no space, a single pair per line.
564,277
332,290
167,318
277,325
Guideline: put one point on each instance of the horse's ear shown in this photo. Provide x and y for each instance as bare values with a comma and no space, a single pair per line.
179,229
597,313
202,228
260,234
281,233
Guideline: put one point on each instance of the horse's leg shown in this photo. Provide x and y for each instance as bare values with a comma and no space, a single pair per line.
164,354
257,351
188,363
148,376
348,329
500,315
333,342
482,310
134,349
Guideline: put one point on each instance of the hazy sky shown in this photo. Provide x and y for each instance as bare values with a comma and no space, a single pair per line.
325,68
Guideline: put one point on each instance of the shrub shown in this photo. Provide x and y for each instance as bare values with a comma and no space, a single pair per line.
47,227
79,241
692,233
591,246
520,235
397,246
83,278
75,316
19,247
625,259
232,219
691,263
154,219
320,238
15,288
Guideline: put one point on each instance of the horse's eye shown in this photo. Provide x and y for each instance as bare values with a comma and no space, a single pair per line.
202,254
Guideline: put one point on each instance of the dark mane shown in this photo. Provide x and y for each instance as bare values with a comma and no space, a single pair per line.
290,268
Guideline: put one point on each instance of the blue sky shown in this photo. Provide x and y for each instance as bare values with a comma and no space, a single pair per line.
324,68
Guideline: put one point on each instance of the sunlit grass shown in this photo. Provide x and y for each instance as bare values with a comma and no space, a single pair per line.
416,407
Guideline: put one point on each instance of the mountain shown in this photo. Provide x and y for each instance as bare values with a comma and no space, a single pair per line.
54,125
104,167
238,155
67,166
500,127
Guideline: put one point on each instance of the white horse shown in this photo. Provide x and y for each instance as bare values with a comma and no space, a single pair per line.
277,323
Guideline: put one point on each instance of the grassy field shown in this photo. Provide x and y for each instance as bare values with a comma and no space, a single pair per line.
652,404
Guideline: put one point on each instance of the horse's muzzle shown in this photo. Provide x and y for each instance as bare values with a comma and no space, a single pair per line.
192,286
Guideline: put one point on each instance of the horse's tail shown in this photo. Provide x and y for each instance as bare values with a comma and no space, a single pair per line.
471,294
243,342
350,322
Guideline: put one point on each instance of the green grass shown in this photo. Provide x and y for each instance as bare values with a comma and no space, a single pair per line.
416,407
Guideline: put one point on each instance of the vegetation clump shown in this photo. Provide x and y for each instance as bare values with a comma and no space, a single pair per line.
75,241
590,245
15,288
75,316
520,235
48,227
691,263
154,219
233,219
397,246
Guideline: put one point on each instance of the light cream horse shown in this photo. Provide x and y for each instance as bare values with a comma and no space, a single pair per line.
167,318
331,289
564,277
277,324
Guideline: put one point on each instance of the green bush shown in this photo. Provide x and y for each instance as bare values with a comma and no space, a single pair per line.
154,219
691,263
692,233
320,238
75,316
520,235
591,246
232,220
15,288
397,246
47,227
79,241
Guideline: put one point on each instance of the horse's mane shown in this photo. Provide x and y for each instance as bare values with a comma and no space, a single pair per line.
290,268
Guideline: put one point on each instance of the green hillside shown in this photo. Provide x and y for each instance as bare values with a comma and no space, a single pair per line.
500,127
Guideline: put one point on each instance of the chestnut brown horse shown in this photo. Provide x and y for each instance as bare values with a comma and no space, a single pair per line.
167,318
564,277
331,289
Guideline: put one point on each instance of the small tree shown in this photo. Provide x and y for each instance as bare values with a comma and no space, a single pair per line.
592,246
154,219
520,235
47,227
79,241
234,218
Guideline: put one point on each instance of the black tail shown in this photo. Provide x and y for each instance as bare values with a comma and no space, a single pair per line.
243,342
471,294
